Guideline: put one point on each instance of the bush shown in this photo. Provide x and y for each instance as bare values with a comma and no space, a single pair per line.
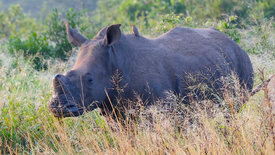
49,44
268,7
35,48
48,40
15,22
56,32
132,11
230,28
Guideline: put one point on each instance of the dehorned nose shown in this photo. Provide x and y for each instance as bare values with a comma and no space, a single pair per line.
57,82
57,77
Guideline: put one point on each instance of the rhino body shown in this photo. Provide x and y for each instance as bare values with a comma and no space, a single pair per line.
148,66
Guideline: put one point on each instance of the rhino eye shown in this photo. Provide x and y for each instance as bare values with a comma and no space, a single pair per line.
90,80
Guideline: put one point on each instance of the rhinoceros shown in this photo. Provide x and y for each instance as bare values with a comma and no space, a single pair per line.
158,64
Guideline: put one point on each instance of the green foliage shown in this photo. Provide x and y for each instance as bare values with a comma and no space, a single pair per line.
15,22
52,43
170,21
44,40
267,7
35,49
265,40
150,8
56,32
33,7
230,28
132,11
17,114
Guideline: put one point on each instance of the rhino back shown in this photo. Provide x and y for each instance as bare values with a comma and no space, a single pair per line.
162,63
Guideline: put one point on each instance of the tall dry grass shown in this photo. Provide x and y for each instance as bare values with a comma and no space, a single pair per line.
203,128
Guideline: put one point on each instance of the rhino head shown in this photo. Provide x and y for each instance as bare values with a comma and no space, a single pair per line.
76,91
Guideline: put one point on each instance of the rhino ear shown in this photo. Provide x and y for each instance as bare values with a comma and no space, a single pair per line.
135,31
101,33
112,35
74,37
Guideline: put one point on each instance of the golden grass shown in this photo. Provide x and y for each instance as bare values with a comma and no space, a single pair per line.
208,129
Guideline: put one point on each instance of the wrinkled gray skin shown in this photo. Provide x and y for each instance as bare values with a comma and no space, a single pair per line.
159,64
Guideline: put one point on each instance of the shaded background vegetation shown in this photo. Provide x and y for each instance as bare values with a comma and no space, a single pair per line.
36,28
40,8
33,48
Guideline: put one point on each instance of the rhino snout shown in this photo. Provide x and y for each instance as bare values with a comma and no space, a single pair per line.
62,85
64,102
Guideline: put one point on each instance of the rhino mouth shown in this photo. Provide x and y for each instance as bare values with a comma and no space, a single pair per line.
63,108
65,102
